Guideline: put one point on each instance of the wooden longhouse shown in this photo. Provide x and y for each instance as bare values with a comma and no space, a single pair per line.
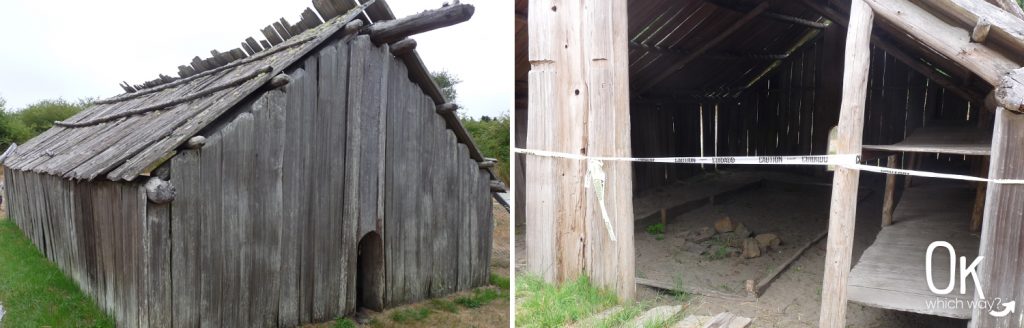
932,85
291,180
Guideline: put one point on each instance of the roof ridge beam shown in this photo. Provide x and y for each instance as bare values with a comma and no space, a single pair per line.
398,29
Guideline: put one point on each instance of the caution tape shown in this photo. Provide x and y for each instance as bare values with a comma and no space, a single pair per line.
597,178
847,161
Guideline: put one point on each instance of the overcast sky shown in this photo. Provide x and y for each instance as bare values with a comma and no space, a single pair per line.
74,49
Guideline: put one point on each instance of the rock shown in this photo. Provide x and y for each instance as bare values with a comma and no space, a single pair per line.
742,231
768,241
724,225
693,321
730,239
654,315
751,248
695,248
733,251
701,235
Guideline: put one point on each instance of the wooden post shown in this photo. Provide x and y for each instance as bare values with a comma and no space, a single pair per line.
889,203
1003,226
844,186
911,164
579,103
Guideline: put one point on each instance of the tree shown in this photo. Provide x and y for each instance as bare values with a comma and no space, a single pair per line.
491,136
11,128
40,116
447,82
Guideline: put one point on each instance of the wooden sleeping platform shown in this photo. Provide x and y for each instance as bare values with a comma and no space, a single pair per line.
891,272
942,139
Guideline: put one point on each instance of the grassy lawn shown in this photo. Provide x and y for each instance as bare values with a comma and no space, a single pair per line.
540,304
482,307
34,293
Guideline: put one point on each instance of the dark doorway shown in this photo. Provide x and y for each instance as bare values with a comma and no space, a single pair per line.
370,273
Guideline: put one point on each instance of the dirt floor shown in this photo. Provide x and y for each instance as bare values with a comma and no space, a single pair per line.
794,207
444,312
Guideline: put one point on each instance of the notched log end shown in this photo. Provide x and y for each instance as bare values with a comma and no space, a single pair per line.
196,142
403,47
159,191
353,27
1010,92
497,186
447,108
280,80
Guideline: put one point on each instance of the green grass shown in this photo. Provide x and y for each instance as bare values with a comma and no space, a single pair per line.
500,281
621,318
35,293
410,315
344,323
656,229
480,297
545,305
444,305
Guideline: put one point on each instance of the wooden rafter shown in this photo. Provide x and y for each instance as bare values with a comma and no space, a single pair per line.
704,48
948,40
949,83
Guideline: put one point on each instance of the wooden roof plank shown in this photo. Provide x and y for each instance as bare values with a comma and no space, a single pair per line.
253,44
703,48
270,32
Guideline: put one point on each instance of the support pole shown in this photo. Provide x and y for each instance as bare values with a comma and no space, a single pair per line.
579,103
844,187
889,202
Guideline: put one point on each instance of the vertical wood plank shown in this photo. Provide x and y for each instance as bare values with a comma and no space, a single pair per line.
293,195
158,264
270,125
1003,225
186,221
210,233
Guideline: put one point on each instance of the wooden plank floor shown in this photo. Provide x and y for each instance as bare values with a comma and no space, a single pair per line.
891,272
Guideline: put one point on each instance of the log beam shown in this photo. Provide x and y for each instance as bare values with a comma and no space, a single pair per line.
704,48
844,187
394,30
953,42
946,82
579,103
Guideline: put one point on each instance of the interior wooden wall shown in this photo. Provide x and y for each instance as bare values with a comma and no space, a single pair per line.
790,113
268,214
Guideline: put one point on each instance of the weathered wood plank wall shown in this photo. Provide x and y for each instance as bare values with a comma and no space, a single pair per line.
791,113
269,214
94,232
